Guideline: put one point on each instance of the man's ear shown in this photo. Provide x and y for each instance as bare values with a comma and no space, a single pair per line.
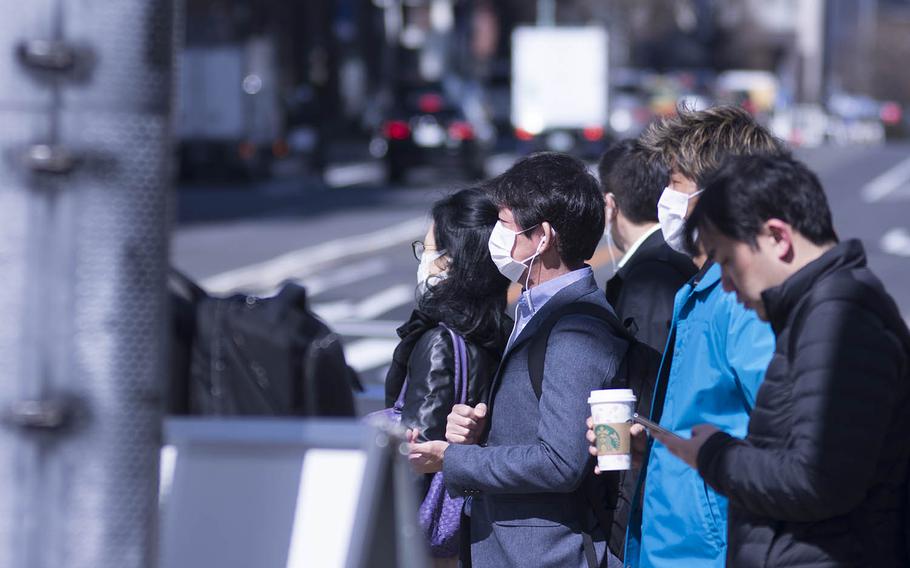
548,239
610,209
781,239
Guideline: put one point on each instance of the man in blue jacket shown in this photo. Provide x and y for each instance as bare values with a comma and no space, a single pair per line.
715,357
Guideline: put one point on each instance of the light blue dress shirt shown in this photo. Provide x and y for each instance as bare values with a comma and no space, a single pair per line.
530,301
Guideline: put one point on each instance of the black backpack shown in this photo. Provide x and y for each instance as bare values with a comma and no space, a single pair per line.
610,493
244,355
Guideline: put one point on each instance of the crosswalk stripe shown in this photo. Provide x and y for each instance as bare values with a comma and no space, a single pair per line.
365,354
302,263
887,183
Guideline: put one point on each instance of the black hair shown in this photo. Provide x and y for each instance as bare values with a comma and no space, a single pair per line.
635,178
472,298
746,191
559,189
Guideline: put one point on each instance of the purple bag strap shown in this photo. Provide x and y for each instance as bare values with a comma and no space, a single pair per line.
461,371
461,366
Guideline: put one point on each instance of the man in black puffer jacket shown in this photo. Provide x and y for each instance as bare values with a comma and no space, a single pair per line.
821,479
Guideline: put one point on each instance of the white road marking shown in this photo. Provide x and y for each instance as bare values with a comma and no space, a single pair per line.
302,263
378,329
333,312
354,174
385,301
343,276
367,308
365,354
348,318
896,242
887,183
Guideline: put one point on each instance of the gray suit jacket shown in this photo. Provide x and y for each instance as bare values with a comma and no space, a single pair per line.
525,511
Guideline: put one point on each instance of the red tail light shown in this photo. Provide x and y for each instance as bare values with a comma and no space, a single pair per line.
593,133
460,130
430,103
246,150
523,134
396,130
280,149
890,113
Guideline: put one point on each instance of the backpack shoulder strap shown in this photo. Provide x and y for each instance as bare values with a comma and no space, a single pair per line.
537,351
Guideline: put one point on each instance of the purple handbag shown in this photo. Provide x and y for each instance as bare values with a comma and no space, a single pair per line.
439,514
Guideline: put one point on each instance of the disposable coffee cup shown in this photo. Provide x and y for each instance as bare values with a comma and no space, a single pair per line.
612,411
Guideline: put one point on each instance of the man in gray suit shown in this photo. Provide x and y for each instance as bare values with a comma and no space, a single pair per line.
528,507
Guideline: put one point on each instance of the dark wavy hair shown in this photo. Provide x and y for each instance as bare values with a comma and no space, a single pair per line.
472,299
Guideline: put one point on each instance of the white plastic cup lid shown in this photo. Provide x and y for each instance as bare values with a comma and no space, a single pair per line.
611,395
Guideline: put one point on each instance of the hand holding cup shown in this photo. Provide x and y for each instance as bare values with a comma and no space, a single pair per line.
609,428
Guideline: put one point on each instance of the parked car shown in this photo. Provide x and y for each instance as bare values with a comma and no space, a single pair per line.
428,128
863,119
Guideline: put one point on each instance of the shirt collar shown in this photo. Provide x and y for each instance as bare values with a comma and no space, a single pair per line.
541,294
631,250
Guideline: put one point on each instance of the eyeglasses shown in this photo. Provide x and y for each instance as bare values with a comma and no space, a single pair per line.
418,247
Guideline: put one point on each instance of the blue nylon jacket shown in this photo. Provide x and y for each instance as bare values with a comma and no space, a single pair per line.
720,354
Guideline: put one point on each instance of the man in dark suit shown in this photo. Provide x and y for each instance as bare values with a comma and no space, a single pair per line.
527,507
650,272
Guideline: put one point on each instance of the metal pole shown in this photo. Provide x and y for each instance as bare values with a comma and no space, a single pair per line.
810,27
85,97
867,26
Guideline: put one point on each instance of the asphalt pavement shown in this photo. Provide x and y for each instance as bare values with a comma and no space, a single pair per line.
347,238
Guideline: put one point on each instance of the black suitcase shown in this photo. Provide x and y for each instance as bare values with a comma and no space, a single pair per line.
244,355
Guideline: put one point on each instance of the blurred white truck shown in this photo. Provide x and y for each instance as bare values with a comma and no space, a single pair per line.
560,88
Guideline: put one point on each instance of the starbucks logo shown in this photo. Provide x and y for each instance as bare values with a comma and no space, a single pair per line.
607,436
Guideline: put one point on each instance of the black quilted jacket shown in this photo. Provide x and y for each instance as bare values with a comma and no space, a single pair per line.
821,478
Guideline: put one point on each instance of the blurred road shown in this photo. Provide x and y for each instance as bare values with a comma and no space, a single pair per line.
348,241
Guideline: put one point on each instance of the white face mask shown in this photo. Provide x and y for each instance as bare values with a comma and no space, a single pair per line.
671,213
500,244
424,278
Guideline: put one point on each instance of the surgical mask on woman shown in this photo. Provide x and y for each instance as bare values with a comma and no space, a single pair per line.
500,244
424,278
671,214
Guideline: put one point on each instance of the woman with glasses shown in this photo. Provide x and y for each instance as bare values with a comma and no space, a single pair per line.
459,289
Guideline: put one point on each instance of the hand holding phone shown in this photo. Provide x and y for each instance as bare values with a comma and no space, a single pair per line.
652,426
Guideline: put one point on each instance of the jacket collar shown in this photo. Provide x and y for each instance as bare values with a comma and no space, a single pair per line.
586,285
707,276
652,241
780,300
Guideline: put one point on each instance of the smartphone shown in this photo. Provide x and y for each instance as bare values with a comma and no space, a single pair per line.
652,426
